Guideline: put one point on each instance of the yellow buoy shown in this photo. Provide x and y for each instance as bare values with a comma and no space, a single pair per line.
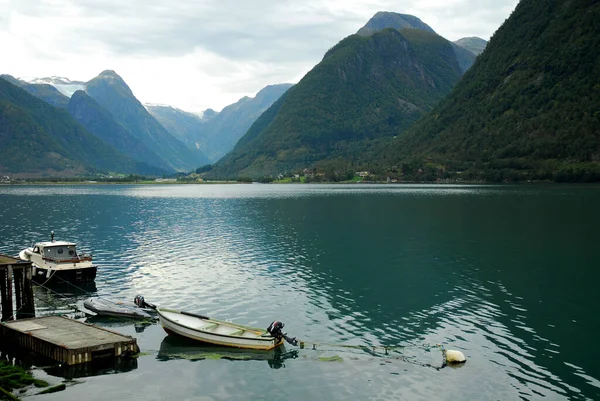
453,356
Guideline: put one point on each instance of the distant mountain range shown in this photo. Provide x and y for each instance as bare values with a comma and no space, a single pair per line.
216,133
473,44
107,108
43,91
153,134
369,86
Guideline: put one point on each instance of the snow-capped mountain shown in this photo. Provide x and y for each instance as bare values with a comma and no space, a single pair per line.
64,85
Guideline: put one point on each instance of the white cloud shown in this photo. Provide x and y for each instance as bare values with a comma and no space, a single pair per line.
196,54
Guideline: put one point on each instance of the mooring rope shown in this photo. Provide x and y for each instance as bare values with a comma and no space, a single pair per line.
385,350
116,303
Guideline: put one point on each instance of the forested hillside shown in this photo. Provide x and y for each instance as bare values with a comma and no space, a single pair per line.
38,139
366,87
528,109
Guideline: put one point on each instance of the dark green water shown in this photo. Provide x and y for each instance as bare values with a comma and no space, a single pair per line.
506,274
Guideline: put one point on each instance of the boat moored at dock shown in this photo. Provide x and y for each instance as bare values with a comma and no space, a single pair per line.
59,261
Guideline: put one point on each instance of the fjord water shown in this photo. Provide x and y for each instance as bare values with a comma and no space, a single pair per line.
506,274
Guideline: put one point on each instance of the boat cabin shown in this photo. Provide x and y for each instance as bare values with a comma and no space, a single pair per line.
57,250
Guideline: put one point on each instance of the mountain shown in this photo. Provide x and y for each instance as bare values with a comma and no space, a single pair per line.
216,133
365,88
209,114
182,125
473,44
43,91
38,139
222,131
527,109
113,94
384,19
131,139
101,123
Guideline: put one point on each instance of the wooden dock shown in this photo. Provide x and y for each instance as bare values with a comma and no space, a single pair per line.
66,340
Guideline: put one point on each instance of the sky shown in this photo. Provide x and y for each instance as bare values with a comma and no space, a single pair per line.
199,54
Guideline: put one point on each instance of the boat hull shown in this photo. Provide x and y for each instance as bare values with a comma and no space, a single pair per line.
43,275
47,272
216,332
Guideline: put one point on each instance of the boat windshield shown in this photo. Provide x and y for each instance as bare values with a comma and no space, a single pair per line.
60,252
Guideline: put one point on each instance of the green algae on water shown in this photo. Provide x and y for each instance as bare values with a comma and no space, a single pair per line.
54,389
334,358
14,377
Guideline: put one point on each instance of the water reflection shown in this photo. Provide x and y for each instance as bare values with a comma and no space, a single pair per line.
100,366
176,347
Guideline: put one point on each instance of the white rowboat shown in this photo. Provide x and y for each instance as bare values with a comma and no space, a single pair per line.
202,328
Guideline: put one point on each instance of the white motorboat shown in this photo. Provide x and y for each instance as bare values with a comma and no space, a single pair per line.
205,329
59,261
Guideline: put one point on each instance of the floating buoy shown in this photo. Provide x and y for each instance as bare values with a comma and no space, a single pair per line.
454,357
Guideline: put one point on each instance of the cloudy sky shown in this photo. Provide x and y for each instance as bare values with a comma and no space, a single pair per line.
199,54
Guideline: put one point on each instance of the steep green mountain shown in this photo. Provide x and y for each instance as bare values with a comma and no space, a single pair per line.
384,19
528,109
113,94
45,92
473,44
216,133
366,87
101,123
38,139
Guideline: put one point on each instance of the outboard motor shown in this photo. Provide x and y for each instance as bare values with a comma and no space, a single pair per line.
141,302
274,330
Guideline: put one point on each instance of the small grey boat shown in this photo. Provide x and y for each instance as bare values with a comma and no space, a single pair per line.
139,309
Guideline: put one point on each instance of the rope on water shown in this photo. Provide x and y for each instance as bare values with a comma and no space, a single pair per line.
387,351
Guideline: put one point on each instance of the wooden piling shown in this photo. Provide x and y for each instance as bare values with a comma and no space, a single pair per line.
17,272
7,306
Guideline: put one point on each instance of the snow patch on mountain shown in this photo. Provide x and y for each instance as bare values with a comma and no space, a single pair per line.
64,85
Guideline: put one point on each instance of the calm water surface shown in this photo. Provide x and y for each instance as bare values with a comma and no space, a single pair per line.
506,274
